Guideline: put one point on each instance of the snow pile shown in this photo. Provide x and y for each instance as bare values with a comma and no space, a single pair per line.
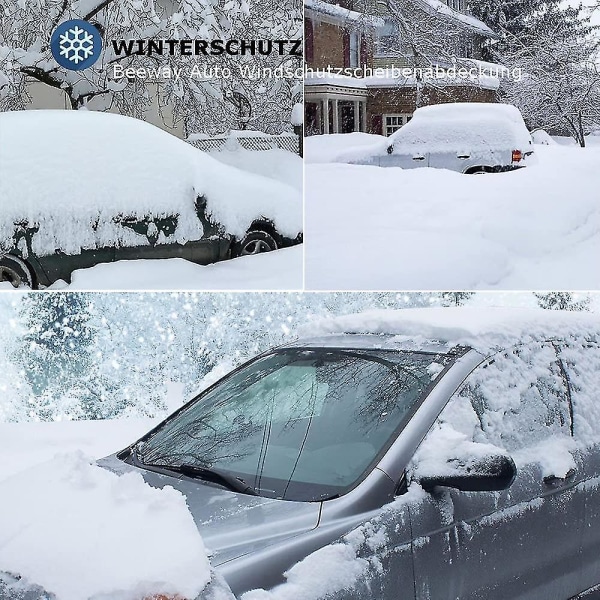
326,148
389,228
333,568
543,138
277,270
329,570
484,329
449,452
82,532
77,174
277,164
297,116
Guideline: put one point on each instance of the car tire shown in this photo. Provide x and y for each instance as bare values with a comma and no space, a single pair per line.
15,271
255,242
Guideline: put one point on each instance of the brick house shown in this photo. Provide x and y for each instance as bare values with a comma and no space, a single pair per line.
365,45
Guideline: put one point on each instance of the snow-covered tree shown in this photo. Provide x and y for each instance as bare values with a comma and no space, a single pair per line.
562,301
560,89
455,298
208,105
557,50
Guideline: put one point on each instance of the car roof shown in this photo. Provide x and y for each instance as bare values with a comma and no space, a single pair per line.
369,341
486,330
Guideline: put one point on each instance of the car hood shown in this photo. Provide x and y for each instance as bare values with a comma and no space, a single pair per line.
231,524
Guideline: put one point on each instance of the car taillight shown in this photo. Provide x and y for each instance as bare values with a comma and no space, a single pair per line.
517,155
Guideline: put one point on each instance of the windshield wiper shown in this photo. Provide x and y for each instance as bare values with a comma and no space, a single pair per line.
227,480
235,484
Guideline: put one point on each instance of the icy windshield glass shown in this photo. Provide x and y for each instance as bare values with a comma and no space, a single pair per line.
298,424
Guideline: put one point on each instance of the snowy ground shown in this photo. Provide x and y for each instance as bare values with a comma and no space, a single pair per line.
279,270
373,228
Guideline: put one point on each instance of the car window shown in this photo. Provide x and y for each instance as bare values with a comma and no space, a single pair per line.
299,424
515,400
581,360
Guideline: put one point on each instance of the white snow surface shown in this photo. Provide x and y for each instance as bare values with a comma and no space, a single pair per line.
387,228
485,329
343,14
297,116
276,163
82,532
74,172
277,270
325,148
443,9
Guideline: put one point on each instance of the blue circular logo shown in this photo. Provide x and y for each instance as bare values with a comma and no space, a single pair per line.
76,45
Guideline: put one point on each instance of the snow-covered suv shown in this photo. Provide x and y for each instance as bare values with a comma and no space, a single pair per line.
78,188
466,137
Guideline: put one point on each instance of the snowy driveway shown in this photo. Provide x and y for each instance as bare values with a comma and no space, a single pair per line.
373,228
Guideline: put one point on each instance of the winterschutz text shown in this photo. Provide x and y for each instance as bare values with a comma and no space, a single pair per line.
207,47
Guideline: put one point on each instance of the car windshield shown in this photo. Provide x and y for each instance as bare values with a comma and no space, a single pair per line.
298,424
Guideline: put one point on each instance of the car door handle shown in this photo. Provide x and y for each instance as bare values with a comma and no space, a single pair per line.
463,156
554,480
418,157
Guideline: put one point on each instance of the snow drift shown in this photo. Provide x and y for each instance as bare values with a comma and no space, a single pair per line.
80,531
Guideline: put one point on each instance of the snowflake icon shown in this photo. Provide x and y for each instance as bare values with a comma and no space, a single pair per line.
76,44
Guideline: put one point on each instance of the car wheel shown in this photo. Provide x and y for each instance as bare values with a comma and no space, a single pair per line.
16,272
255,242
479,171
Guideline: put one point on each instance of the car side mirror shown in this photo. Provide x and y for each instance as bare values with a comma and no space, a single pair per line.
390,148
489,473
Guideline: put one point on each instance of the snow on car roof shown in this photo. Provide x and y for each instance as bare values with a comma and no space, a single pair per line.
484,329
75,171
464,126
461,110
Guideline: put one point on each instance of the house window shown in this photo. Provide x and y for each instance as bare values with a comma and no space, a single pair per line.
465,46
354,49
387,37
392,123
457,5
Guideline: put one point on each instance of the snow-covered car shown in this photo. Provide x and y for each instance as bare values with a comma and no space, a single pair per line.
450,453
465,137
78,188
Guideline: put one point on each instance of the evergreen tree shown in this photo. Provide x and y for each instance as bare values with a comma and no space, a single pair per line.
562,301
455,298
57,334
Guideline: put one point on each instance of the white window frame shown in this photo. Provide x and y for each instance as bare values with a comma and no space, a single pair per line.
393,121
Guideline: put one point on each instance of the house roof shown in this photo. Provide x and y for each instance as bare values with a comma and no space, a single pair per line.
340,14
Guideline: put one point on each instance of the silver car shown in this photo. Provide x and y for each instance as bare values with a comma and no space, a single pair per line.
470,138
482,466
